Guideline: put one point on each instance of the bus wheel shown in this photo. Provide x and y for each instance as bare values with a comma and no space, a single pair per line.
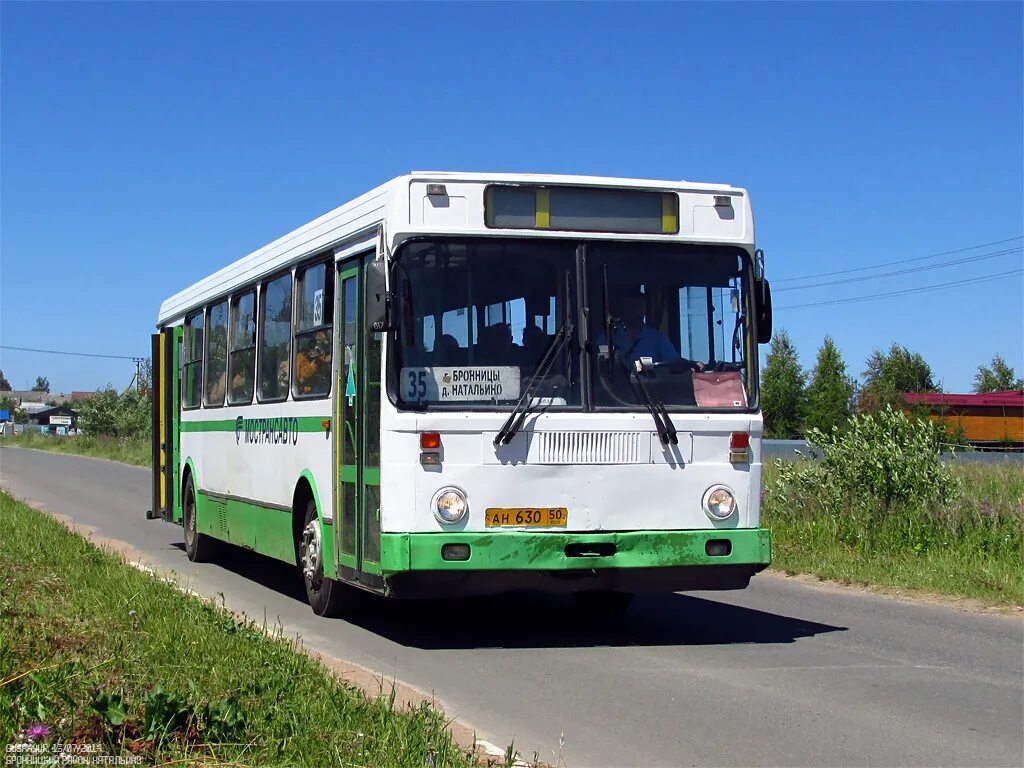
602,602
325,595
199,547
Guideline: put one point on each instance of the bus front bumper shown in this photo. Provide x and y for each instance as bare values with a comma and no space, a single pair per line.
415,564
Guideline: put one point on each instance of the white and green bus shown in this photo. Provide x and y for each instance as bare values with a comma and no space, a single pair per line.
462,384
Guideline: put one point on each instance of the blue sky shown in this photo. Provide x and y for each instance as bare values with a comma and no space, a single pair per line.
145,145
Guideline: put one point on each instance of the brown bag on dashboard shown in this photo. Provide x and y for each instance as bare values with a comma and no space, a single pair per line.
722,390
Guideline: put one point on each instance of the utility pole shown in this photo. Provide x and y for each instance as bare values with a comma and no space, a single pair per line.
137,378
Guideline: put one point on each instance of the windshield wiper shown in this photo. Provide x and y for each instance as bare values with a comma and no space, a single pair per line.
515,420
666,429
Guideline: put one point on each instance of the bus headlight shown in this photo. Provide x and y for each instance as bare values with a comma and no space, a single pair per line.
450,505
719,503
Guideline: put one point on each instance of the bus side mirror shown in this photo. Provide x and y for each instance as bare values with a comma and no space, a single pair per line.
763,300
378,300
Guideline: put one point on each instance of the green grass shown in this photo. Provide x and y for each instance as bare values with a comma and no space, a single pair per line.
127,450
971,547
102,653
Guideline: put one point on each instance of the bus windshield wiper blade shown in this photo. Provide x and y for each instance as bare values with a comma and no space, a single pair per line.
670,429
662,422
515,420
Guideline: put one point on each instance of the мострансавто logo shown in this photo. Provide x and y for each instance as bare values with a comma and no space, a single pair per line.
280,430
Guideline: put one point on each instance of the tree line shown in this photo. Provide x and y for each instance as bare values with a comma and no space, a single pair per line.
42,384
107,413
795,400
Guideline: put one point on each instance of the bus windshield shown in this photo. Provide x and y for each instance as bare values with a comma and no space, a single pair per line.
476,317
668,325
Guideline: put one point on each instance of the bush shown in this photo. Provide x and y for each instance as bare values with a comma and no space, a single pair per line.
126,415
883,458
877,483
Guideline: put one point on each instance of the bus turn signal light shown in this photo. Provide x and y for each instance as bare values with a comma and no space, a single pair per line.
739,448
430,441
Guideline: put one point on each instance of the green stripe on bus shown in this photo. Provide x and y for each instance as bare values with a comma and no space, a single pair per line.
506,550
305,423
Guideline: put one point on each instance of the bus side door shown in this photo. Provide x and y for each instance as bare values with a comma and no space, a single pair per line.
357,446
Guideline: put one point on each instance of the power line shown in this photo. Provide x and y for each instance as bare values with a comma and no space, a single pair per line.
920,289
953,262
898,261
73,354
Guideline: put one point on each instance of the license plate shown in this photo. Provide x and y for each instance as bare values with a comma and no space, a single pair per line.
543,517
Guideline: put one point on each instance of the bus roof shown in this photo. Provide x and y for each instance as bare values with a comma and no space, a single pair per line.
561,178
353,227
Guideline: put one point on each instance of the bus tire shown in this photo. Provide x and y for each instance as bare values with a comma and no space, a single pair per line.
326,596
602,602
199,547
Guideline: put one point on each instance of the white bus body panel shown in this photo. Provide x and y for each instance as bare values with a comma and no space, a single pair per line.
609,470
262,471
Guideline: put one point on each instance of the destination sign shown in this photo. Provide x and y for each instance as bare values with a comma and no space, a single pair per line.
460,383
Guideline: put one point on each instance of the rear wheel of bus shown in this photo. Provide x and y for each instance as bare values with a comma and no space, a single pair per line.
199,547
326,596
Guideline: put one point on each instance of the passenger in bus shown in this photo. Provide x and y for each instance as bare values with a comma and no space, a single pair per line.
632,336
215,396
496,345
241,382
313,365
447,351
535,343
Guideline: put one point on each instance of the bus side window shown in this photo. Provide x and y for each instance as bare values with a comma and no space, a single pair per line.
274,338
242,358
313,332
215,377
192,368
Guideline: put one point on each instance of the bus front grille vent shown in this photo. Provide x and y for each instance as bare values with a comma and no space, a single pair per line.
589,448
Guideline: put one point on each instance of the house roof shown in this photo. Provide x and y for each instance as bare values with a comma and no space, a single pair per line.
1011,398
57,410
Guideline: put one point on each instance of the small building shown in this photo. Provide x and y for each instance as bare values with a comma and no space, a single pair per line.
60,419
990,420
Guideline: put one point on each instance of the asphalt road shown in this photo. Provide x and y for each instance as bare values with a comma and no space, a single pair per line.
782,673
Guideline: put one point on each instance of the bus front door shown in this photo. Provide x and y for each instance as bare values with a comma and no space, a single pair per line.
357,438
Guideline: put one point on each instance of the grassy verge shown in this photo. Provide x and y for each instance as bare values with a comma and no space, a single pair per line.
126,450
971,547
99,653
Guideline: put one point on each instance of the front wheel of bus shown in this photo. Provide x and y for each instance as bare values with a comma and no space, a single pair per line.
326,596
602,602
199,547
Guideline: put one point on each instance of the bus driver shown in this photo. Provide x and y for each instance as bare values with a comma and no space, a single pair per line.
632,336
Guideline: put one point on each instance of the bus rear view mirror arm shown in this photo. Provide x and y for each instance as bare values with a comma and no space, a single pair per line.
379,304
